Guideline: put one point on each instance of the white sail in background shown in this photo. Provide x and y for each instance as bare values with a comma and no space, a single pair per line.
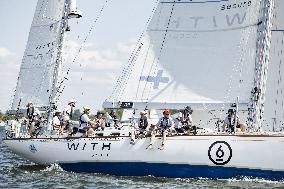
274,101
194,51
39,65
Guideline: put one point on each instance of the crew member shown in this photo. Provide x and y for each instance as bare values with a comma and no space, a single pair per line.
164,125
56,124
140,126
33,116
184,120
67,113
231,120
86,123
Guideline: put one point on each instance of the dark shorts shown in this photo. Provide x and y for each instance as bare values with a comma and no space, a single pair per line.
163,129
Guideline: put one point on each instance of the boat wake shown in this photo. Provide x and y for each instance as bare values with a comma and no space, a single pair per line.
53,167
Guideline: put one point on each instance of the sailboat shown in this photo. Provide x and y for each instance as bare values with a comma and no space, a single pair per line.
210,55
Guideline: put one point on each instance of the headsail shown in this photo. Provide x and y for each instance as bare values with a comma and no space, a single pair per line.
194,52
41,58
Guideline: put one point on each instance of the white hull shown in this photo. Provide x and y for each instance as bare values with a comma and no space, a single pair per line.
183,156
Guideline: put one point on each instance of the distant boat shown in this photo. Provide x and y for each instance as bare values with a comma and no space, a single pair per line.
211,55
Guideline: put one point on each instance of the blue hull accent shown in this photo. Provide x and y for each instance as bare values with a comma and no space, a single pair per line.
169,170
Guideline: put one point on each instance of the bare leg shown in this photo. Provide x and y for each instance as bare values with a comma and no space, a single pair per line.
164,140
242,127
132,136
164,137
90,131
31,129
103,126
224,127
153,135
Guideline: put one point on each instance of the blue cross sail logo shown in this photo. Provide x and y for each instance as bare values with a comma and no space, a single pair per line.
156,79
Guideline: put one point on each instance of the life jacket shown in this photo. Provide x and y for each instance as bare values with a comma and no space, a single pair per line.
232,120
143,123
30,115
165,122
185,115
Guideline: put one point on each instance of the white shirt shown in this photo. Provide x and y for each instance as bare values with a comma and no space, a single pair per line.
55,121
68,109
110,120
84,119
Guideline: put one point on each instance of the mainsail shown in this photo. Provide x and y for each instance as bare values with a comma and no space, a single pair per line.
41,61
274,101
194,52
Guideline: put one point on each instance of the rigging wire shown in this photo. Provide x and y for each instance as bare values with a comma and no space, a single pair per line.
126,72
54,92
61,86
145,60
162,45
260,76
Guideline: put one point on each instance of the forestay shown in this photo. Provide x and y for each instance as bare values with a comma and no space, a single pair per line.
41,59
194,52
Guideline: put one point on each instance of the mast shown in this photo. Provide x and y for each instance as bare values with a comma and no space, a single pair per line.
261,67
69,11
63,27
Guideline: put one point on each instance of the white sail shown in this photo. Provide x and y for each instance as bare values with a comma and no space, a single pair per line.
274,101
41,59
193,52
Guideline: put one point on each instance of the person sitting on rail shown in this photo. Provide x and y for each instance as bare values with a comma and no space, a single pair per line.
100,121
231,120
67,113
164,125
112,120
34,117
139,126
56,124
184,120
86,123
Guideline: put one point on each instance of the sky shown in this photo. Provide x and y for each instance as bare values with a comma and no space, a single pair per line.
102,58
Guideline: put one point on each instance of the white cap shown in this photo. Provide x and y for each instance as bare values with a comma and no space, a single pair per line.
72,101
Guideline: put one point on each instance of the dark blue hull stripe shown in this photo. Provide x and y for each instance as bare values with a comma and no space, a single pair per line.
169,170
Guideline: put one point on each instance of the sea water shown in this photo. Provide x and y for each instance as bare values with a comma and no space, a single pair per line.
16,172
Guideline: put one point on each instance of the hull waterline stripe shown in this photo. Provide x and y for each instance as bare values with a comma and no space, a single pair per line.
169,170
